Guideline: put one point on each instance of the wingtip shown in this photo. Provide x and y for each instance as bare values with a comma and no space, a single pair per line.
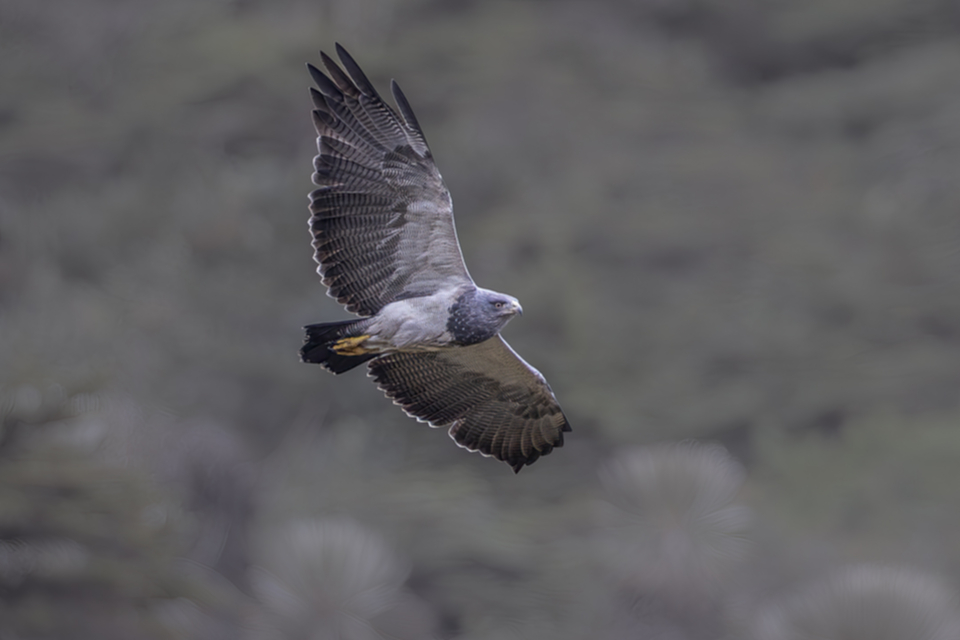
320,120
519,463
344,55
404,105
356,73
327,86
327,61
317,98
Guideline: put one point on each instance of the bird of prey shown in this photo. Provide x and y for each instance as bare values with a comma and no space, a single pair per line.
385,243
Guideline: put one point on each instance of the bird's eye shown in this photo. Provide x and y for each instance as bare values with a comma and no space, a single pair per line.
498,305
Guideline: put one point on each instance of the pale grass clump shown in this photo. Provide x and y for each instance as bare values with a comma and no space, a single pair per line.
865,603
675,531
329,578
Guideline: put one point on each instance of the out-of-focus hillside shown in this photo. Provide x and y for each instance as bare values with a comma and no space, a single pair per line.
731,222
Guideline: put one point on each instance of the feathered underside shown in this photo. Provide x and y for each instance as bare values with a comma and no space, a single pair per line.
382,219
382,224
493,401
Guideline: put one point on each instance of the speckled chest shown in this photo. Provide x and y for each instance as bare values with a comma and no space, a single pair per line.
467,324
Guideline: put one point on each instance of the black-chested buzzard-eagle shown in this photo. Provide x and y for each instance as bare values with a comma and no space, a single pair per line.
384,239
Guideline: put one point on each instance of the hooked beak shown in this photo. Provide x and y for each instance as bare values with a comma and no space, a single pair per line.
516,308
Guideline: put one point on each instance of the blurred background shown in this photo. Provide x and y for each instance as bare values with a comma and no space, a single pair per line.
734,226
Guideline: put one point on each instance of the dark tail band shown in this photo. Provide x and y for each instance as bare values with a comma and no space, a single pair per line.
321,337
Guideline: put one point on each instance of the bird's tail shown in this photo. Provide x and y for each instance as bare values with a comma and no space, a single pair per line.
336,346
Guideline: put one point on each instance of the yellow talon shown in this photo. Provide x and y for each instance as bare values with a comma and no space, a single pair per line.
350,346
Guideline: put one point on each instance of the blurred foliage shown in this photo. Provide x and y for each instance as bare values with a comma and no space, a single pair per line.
729,221
333,579
889,481
678,533
868,603
88,548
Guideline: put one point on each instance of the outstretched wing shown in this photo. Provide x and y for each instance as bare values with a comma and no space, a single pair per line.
494,402
382,218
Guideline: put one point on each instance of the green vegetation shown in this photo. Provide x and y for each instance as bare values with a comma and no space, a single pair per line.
732,222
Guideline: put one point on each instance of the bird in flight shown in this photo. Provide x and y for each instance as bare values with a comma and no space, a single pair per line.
385,243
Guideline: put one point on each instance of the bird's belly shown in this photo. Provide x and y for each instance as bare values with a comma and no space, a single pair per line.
415,324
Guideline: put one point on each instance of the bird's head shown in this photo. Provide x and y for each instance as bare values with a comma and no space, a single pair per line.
480,314
498,309
505,305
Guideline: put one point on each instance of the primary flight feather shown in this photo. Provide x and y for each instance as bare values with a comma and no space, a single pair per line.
385,243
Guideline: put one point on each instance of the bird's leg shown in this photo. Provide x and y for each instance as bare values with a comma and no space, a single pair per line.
350,346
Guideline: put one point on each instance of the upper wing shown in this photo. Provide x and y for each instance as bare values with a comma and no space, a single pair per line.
382,218
494,402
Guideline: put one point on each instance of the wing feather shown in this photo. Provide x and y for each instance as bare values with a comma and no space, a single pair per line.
340,79
491,399
382,219
404,106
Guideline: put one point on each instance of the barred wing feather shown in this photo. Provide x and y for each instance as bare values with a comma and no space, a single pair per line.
382,219
492,400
